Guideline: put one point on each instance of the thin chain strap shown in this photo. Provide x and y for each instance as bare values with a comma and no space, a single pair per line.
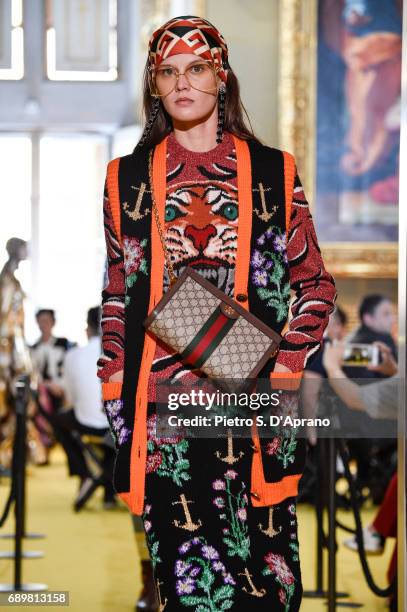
170,267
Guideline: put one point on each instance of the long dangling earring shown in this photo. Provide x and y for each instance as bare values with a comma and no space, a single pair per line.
221,112
155,109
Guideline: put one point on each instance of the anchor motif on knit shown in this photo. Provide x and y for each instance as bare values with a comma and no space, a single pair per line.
255,592
135,214
230,457
265,215
189,525
270,531
161,605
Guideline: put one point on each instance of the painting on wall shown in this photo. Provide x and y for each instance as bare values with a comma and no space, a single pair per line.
358,93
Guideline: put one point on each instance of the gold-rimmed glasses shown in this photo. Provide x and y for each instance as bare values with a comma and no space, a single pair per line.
200,75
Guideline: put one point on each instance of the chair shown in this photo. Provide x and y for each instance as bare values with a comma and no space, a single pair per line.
93,448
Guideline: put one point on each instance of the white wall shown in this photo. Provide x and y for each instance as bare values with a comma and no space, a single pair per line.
251,32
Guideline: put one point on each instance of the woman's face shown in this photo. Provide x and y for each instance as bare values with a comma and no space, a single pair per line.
187,102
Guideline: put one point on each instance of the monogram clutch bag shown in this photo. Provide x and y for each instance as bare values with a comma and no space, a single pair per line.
211,331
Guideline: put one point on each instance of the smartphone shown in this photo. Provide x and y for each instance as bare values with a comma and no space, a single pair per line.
361,355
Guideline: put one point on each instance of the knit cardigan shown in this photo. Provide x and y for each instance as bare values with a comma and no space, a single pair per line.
128,217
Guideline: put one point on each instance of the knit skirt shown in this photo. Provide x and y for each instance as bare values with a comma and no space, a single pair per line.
211,549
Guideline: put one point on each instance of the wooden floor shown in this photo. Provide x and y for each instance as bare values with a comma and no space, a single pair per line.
93,554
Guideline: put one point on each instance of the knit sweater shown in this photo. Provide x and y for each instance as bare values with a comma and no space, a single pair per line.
201,226
276,252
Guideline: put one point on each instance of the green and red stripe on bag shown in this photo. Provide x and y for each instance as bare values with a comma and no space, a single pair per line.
211,331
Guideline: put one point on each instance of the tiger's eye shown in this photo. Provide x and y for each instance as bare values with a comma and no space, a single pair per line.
170,213
229,211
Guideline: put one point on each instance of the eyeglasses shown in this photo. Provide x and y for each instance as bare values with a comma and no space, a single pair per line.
163,79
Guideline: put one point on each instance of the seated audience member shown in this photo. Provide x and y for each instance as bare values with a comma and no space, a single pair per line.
379,400
377,317
86,415
48,355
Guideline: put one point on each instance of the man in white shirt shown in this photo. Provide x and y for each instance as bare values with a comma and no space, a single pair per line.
83,395
82,386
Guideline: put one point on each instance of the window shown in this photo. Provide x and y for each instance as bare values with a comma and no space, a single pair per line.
11,40
81,40
52,196
71,249
15,163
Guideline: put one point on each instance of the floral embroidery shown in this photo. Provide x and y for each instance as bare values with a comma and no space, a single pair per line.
276,565
269,271
196,577
184,547
181,567
284,444
165,455
219,502
234,513
283,448
113,409
153,544
153,462
134,260
152,433
282,596
242,514
273,446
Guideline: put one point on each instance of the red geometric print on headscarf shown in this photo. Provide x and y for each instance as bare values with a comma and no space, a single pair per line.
189,34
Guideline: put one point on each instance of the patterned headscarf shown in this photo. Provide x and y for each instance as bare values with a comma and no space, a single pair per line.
189,34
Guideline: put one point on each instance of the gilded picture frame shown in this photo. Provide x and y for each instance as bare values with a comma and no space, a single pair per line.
298,46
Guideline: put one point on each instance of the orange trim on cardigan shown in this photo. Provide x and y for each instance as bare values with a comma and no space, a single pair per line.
111,390
135,498
289,176
271,493
286,381
113,191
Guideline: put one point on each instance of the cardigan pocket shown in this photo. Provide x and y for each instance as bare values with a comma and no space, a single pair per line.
284,454
271,483
278,461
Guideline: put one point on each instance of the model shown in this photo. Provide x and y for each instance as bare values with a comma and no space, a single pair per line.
219,514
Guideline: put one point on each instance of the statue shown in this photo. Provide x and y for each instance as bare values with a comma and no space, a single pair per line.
15,357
